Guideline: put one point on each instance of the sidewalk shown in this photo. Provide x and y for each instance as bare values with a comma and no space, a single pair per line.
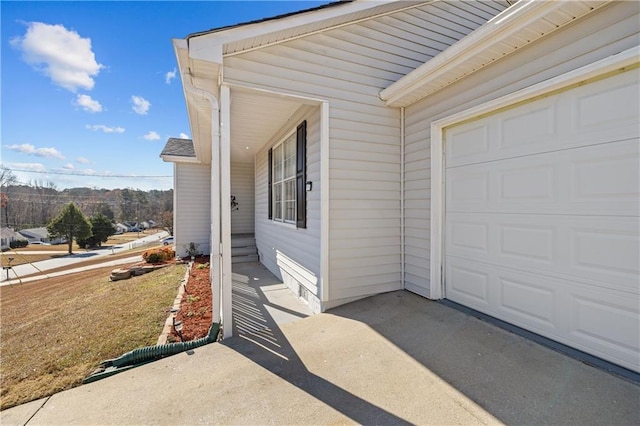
395,358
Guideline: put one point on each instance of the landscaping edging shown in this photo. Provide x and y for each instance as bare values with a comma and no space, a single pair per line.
168,324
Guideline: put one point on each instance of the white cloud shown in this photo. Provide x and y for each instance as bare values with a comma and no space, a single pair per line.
68,166
106,129
88,104
184,136
152,136
36,167
60,54
140,105
82,160
170,76
27,148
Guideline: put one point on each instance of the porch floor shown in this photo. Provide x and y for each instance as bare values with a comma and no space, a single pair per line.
395,358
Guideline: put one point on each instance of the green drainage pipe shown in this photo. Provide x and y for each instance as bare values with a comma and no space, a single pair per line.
147,354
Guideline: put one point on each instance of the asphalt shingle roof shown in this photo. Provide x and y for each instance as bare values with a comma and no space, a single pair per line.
179,148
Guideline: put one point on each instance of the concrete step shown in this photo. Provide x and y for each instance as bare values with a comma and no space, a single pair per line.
241,251
243,241
245,258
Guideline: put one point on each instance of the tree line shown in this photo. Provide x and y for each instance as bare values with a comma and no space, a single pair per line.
36,203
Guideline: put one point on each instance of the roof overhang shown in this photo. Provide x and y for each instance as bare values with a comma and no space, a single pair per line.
200,56
517,26
243,37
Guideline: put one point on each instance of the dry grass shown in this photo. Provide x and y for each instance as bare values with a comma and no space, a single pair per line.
54,332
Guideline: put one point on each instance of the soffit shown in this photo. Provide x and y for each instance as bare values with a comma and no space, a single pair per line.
255,118
516,27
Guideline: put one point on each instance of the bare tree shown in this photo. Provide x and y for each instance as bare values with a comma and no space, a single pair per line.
7,179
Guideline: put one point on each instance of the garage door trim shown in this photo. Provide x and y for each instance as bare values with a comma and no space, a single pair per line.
617,63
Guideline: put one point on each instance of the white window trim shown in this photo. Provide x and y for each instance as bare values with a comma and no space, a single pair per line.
611,64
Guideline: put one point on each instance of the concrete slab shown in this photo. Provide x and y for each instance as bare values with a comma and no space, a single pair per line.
21,414
394,358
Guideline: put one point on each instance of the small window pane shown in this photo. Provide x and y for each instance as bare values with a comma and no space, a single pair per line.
277,201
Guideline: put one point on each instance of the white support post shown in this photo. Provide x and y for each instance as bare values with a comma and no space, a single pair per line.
225,208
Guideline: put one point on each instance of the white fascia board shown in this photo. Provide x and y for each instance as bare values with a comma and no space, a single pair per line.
258,29
205,49
179,159
500,27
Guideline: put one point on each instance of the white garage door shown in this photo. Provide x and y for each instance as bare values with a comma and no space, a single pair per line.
542,217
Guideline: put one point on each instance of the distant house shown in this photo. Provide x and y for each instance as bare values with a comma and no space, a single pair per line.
41,235
120,228
485,152
7,235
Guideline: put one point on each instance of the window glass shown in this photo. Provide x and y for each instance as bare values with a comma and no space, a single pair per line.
284,180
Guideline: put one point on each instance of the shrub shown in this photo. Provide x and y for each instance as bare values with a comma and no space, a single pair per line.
18,243
158,255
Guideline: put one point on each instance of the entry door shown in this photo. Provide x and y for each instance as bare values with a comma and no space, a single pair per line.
542,217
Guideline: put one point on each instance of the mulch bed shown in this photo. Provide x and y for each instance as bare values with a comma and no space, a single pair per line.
195,308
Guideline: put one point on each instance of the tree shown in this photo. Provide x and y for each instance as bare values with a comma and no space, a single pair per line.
70,224
166,221
101,230
7,178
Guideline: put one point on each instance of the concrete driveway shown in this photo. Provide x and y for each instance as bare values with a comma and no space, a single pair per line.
395,358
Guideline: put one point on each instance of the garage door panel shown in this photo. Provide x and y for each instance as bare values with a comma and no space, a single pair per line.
606,175
469,283
606,325
598,251
527,299
604,107
594,180
525,127
607,253
604,111
595,320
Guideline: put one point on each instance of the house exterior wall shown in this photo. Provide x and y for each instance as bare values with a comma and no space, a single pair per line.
192,207
364,151
612,29
242,188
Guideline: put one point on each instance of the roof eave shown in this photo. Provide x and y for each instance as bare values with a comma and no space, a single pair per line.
449,65
179,159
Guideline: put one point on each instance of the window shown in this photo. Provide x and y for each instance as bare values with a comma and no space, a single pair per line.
287,179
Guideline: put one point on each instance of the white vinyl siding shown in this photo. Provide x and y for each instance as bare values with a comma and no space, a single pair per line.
192,207
242,187
348,66
292,254
606,32
364,152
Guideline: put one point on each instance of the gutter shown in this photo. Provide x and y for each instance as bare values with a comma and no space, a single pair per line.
402,196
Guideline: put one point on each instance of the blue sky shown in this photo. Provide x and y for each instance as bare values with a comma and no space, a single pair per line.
90,93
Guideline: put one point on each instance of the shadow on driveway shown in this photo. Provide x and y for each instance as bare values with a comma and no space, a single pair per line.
515,380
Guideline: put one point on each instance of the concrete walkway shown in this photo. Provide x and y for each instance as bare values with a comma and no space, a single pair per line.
395,358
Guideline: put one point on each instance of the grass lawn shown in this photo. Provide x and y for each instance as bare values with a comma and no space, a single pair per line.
54,332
